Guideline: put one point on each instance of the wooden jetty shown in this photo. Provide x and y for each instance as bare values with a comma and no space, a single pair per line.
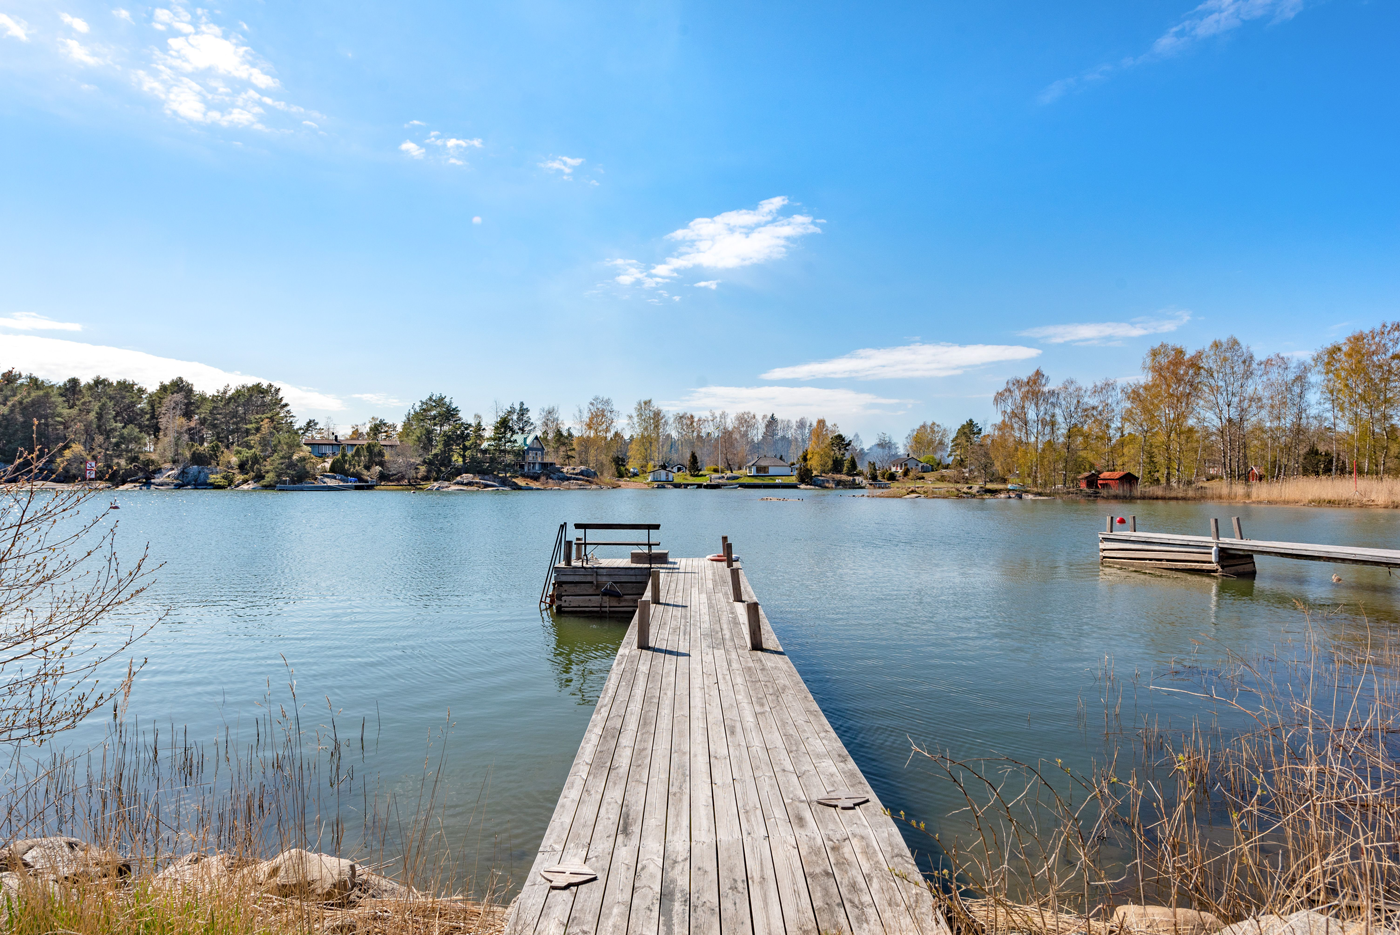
579,582
710,795
1227,557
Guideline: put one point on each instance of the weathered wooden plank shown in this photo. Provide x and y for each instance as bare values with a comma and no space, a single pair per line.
1338,554
765,900
614,898
735,914
897,887
850,877
704,848
786,756
567,837
695,801
645,904
760,782
674,912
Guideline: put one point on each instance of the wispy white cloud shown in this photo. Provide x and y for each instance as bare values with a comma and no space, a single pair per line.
564,165
28,321
77,24
736,238
377,399
79,52
1211,18
1106,332
14,28
477,219
908,361
57,359
788,401
631,273
711,284
208,75
123,14
449,149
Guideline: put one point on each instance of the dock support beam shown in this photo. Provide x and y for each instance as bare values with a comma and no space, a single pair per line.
1214,528
644,624
755,626
656,586
735,584
1239,530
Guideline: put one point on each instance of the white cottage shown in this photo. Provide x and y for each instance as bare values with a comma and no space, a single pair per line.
768,467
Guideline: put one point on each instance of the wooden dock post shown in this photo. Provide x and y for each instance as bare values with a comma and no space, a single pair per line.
578,550
656,586
1214,528
735,584
644,624
568,553
1108,527
755,625
1132,523
728,554
1239,530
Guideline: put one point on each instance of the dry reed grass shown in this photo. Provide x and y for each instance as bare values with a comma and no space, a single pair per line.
155,795
1282,794
1308,491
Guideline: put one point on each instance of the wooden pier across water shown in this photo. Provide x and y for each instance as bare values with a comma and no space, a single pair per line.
1229,557
710,794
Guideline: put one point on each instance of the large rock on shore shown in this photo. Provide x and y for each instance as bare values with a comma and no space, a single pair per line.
65,859
1306,922
301,874
1164,920
485,482
202,873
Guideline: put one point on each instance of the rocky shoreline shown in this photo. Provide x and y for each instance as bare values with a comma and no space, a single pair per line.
348,895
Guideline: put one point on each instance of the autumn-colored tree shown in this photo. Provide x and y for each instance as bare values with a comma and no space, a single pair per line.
597,425
928,442
1163,404
1229,399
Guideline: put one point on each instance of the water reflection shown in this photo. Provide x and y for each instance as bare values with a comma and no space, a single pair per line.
582,652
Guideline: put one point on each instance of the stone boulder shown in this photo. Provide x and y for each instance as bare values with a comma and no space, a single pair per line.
201,873
1306,922
65,859
195,475
1163,920
577,471
300,874
485,482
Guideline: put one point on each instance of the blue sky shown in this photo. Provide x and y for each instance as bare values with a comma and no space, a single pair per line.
872,213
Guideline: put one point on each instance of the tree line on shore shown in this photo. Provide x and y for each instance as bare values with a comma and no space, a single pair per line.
1217,412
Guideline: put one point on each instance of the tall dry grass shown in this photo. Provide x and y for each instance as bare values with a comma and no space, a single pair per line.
1314,491
154,795
1281,794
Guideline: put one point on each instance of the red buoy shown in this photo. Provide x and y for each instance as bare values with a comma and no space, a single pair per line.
1122,521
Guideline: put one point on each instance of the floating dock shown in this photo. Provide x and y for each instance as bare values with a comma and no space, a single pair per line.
711,795
1227,557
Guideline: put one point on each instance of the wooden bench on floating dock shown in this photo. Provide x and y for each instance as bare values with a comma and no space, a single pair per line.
1227,557
710,794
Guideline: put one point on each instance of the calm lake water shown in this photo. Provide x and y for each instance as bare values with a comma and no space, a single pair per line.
976,627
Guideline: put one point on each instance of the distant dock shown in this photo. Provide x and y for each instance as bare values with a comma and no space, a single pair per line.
1229,557
710,794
